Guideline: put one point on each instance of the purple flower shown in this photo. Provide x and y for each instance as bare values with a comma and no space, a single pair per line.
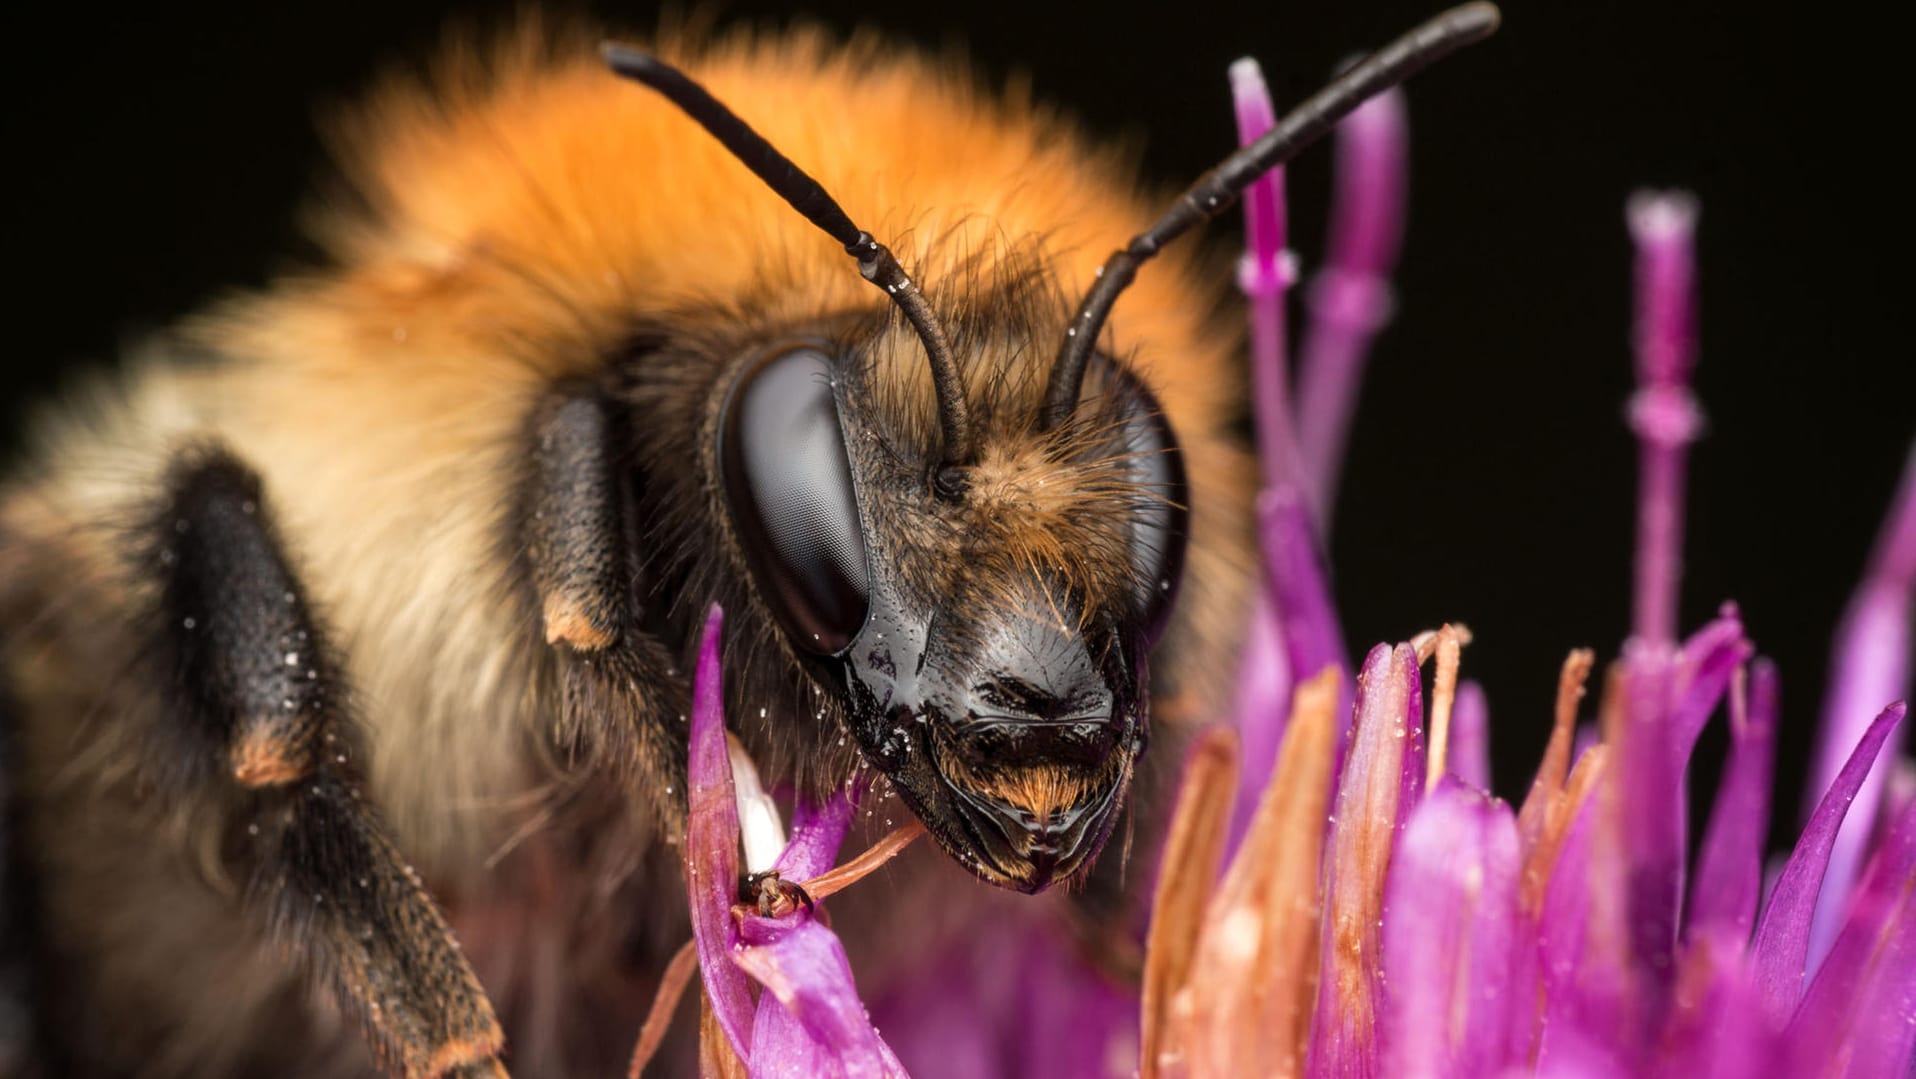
1456,937
807,1019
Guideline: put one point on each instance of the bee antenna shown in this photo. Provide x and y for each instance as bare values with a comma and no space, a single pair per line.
1216,190
806,195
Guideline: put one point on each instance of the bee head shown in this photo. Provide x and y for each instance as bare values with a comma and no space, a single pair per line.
983,599
987,624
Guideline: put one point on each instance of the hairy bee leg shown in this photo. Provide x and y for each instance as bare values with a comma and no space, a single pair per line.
254,677
335,884
573,538
622,693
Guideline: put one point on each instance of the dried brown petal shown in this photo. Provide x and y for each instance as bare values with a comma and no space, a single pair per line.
1186,877
1250,1011
1556,757
717,1059
1449,650
671,987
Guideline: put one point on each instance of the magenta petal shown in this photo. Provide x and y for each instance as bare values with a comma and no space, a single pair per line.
1781,948
1899,788
1011,997
1578,998
1312,638
711,845
1450,932
955,1026
1861,1007
1072,1022
1470,736
1351,299
1729,873
1715,1028
1263,709
810,1022
817,833
1577,1057
1708,661
1412,772
1650,805
1871,662
1264,223
1264,278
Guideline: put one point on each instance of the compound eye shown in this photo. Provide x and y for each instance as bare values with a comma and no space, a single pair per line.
1161,523
788,485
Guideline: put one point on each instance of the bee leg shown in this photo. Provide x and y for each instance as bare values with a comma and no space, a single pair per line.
623,697
254,679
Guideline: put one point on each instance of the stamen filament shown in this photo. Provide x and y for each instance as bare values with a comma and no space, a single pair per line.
839,878
678,974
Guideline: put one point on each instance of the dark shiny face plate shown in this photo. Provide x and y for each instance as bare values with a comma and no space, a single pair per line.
1022,795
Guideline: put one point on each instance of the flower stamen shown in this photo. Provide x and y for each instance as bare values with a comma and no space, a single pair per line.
838,878
1450,641
678,974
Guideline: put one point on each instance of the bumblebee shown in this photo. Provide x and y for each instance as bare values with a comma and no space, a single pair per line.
345,638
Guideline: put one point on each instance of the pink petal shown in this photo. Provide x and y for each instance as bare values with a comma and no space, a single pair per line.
817,834
1709,659
961,1023
1412,772
1781,948
1313,640
1642,860
1262,704
1264,225
1729,873
1450,933
1860,1010
1571,1008
810,1021
711,845
1470,736
1264,277
1715,1027
1871,666
1576,1057
1009,995
1350,301
1072,1022
1308,626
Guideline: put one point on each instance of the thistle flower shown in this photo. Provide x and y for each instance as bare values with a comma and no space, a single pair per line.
1459,937
1339,894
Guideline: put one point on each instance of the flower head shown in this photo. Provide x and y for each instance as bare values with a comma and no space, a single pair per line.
1457,937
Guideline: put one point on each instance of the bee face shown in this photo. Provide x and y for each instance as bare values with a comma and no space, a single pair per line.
987,635
985,628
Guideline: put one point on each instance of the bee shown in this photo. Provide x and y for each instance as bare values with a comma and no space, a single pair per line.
345,638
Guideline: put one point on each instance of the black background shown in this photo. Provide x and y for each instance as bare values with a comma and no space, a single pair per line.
156,156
